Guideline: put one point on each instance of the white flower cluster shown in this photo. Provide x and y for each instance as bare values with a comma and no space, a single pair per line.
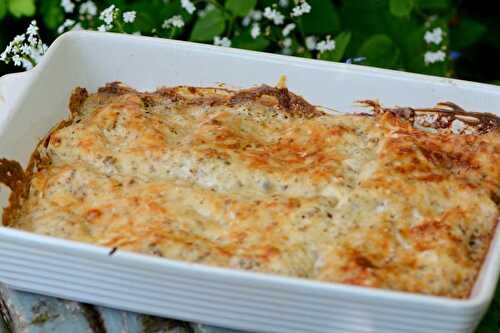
274,15
224,41
283,3
25,50
67,25
188,6
175,21
313,44
129,17
68,6
326,45
432,57
88,8
434,36
254,15
108,16
301,9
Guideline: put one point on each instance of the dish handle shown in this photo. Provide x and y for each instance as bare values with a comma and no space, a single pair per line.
11,88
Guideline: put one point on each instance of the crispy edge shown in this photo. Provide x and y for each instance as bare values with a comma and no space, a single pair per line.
18,180
446,113
292,104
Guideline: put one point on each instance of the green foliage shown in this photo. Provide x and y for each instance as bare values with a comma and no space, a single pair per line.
3,8
433,5
467,32
52,13
323,18
400,8
208,26
20,8
245,41
380,51
240,7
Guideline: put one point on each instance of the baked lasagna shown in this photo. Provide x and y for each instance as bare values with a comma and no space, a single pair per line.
259,179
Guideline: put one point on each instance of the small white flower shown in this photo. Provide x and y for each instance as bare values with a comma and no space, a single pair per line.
286,51
88,8
102,28
32,29
311,43
433,57
287,42
66,24
224,41
188,6
25,49
17,60
77,27
108,14
274,15
284,3
256,15
255,32
435,36
301,9
129,17
175,21
288,28
68,6
19,39
326,45
246,21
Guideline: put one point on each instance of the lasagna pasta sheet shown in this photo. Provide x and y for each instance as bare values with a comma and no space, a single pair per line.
261,180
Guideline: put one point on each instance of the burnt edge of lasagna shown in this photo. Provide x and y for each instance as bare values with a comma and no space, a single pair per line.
445,113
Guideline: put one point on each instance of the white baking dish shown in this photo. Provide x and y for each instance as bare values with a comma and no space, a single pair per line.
31,102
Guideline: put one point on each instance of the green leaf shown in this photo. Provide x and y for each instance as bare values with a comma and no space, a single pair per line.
245,41
322,19
208,26
401,8
52,13
240,7
380,51
466,33
341,43
3,8
440,5
20,8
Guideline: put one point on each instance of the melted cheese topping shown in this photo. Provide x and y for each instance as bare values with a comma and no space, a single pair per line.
191,174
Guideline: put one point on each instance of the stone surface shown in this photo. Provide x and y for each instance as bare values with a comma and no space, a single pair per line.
32,313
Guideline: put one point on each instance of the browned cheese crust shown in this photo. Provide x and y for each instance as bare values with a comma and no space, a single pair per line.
258,179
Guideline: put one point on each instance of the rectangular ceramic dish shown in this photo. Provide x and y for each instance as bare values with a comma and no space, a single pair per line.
33,101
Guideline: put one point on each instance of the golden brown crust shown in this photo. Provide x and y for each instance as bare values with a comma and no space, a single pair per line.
292,175
295,105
